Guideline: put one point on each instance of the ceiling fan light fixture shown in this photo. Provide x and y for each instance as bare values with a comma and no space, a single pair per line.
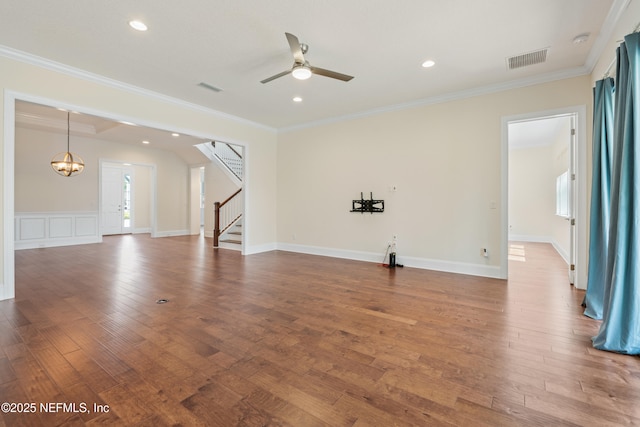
301,72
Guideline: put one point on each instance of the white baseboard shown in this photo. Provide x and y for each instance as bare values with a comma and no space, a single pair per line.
423,263
173,233
492,271
50,243
256,249
529,238
563,253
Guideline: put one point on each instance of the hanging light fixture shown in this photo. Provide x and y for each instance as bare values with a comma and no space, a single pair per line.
67,164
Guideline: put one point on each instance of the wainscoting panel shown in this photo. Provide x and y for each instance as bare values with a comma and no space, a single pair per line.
49,229
31,228
60,227
87,225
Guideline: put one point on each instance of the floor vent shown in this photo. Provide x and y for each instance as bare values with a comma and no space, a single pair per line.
526,59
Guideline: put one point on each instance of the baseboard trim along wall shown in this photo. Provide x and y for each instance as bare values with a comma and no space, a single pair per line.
423,263
172,233
256,249
51,229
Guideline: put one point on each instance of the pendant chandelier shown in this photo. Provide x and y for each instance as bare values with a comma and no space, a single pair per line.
67,164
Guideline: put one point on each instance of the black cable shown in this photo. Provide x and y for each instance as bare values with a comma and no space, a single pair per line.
386,254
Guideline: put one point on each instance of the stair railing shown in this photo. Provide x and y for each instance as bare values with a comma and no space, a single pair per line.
226,214
229,156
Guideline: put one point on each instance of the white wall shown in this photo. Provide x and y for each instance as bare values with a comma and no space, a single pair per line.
532,189
445,160
142,198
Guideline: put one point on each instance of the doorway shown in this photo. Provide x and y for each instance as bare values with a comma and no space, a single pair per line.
116,199
196,200
544,186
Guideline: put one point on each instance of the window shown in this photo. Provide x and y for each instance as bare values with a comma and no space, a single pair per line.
126,199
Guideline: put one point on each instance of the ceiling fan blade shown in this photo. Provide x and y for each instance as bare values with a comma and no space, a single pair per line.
296,50
329,73
277,76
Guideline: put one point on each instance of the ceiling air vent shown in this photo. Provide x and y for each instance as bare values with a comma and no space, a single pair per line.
526,59
210,87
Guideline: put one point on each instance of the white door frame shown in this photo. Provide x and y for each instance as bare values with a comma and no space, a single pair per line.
580,197
124,167
7,287
194,200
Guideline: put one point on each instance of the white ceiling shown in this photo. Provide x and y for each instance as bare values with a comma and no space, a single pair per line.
50,119
235,44
539,132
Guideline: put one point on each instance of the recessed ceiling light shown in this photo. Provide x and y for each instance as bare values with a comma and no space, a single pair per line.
581,38
428,63
127,123
145,142
174,134
297,99
138,25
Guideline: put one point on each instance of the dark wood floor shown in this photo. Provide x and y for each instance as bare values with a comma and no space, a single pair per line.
289,339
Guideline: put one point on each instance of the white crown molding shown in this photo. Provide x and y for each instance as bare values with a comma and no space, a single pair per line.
608,27
38,61
448,97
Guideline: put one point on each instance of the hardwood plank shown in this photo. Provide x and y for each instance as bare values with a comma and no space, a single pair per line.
6,371
92,373
290,339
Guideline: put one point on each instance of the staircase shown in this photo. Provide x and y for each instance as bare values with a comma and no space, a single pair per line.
227,231
232,237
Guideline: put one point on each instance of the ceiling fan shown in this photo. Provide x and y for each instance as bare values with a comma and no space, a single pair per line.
301,69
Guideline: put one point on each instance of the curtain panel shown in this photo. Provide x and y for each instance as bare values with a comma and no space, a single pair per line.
620,328
600,196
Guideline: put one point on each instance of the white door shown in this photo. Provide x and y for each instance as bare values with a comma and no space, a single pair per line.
116,198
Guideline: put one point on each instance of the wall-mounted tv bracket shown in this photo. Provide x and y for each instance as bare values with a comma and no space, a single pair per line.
370,205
